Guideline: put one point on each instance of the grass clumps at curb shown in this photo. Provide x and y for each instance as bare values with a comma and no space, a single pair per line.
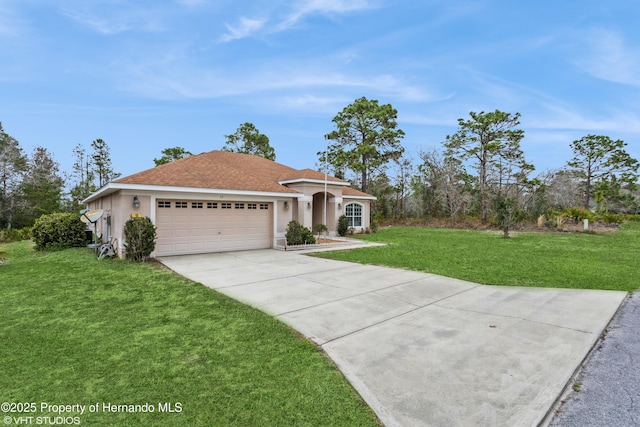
76,329
562,260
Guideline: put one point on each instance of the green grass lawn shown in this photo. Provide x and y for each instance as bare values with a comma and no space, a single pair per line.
74,329
552,259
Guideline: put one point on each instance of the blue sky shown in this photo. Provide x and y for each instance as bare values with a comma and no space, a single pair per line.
146,75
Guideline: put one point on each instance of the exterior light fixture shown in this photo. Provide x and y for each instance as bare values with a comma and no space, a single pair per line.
286,204
339,206
308,205
136,202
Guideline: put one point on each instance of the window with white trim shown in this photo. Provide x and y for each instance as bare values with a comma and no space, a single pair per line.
239,205
183,205
196,205
264,206
226,205
212,205
164,204
252,206
353,212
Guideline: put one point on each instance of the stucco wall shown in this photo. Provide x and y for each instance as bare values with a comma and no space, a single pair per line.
118,208
308,210
285,215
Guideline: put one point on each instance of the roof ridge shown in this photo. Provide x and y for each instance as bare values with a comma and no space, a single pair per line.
210,169
226,170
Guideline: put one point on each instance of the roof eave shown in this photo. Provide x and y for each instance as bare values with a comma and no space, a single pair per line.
313,181
360,197
112,187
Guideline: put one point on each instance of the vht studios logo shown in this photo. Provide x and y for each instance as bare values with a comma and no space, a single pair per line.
170,407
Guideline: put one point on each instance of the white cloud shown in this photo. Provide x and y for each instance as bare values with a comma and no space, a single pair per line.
563,117
544,111
294,13
10,23
315,103
173,76
244,28
323,7
398,89
610,58
115,18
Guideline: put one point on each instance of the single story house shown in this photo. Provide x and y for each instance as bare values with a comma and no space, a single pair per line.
222,201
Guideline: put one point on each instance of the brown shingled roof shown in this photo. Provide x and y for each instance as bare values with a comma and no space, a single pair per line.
309,174
348,191
228,171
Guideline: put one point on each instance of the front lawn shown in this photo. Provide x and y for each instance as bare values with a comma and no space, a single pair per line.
77,330
553,259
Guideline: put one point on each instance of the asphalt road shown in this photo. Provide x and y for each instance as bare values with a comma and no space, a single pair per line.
609,384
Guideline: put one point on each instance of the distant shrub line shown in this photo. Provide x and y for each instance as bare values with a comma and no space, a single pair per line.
15,235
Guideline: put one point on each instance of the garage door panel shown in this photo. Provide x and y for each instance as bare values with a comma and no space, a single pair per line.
196,230
180,232
181,247
197,247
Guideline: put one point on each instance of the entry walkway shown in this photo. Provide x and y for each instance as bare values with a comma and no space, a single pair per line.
422,349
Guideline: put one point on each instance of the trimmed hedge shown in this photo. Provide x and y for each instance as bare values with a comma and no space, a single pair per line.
298,235
343,225
58,231
140,237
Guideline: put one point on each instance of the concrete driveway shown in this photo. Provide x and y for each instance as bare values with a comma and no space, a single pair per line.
422,349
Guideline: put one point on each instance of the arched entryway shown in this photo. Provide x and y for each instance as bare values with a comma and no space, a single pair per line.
319,210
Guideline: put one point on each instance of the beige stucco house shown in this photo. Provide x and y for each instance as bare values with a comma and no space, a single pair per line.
221,201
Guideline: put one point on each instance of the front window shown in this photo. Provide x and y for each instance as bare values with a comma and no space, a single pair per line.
353,212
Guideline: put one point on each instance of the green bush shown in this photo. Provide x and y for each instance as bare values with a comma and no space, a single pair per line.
613,218
298,235
13,235
577,215
506,211
343,225
319,228
140,237
58,231
25,233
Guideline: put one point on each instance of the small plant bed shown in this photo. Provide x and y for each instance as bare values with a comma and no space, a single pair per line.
321,242
328,241
562,260
79,330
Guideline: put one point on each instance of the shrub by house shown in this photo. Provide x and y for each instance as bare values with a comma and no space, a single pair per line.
58,231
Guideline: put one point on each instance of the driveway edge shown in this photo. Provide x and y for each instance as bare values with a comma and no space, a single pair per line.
567,389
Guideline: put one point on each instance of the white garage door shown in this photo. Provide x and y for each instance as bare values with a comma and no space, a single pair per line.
191,227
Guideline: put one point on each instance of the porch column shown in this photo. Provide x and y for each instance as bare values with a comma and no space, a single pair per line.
305,211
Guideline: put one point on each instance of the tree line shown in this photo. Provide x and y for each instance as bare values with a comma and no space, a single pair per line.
479,171
33,185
